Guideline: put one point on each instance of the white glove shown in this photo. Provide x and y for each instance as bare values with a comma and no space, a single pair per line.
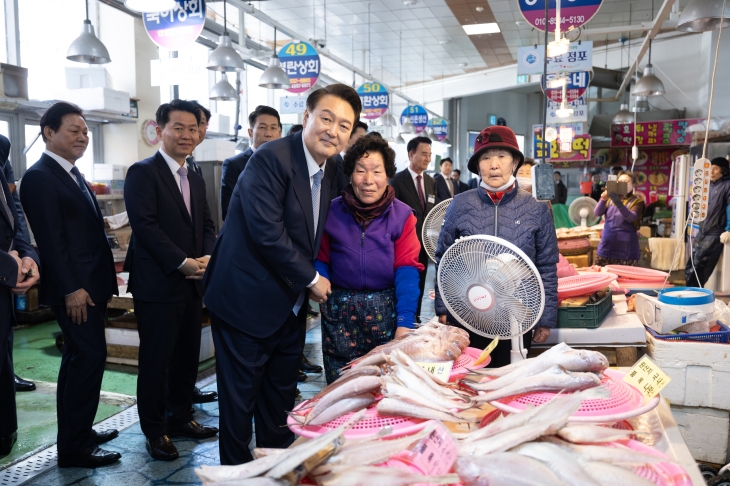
725,238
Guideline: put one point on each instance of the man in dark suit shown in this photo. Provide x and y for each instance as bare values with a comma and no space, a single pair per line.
360,130
264,125
561,192
418,190
262,267
445,187
474,182
456,177
18,273
191,163
172,239
79,279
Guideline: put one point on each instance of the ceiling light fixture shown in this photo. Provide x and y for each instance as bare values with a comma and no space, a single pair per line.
222,90
445,41
410,2
274,77
225,57
477,29
559,46
150,6
649,84
623,117
87,47
703,15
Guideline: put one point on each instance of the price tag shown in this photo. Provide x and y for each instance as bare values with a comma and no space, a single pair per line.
647,377
487,351
440,370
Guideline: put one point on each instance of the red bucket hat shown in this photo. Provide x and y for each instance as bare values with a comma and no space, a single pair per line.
495,137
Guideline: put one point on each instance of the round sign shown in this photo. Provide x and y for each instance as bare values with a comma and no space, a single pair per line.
480,297
176,28
149,133
374,98
300,62
573,13
576,85
418,116
440,127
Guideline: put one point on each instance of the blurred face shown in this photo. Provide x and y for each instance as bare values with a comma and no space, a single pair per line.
446,168
357,134
420,158
328,127
202,128
266,128
455,176
496,166
596,178
715,173
71,139
556,176
179,135
627,179
369,179
525,171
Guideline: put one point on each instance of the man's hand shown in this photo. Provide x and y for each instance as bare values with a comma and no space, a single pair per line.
725,237
19,262
203,260
321,290
541,335
401,331
29,269
76,306
192,269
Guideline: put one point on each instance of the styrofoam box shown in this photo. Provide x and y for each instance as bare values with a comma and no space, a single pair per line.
219,123
705,431
130,337
99,99
108,172
700,372
214,150
89,77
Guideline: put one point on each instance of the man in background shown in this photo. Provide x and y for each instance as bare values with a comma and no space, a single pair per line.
359,131
445,187
264,125
456,177
202,129
561,192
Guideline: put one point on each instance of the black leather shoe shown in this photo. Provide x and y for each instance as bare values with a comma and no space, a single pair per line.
308,367
91,458
302,377
22,385
106,436
6,443
192,429
312,312
162,448
204,397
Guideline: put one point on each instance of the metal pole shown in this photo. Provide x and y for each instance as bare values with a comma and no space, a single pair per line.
544,81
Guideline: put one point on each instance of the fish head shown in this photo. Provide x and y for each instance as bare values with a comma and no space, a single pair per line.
586,360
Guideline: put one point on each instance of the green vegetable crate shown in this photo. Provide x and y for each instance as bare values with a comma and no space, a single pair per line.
588,317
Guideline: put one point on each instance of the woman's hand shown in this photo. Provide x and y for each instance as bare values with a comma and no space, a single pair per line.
614,197
604,195
541,334
442,319
401,331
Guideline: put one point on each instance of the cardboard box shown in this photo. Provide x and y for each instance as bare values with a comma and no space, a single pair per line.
88,77
123,345
98,99
109,172
214,150
219,123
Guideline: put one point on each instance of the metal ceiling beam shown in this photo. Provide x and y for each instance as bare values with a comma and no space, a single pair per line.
644,26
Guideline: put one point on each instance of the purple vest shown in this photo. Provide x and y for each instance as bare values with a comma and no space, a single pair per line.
364,261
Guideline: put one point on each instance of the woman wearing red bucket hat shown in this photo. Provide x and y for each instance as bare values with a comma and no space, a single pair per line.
499,208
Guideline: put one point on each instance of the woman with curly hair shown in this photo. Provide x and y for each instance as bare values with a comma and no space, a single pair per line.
369,253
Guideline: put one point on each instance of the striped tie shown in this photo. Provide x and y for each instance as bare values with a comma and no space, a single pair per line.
316,186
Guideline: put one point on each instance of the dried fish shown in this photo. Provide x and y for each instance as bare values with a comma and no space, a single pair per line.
564,464
351,388
613,455
504,469
391,389
610,475
496,372
553,379
585,433
342,407
344,378
391,406
370,475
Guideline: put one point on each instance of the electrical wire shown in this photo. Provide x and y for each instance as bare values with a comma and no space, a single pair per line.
712,85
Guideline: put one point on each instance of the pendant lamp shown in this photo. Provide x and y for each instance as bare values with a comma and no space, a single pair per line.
623,117
704,15
224,57
649,84
87,47
400,140
407,127
274,77
150,6
641,104
387,120
223,91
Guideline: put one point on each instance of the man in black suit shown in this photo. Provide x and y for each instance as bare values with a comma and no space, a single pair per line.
79,279
360,130
456,177
474,182
561,192
262,269
445,187
418,190
172,238
202,129
18,273
264,125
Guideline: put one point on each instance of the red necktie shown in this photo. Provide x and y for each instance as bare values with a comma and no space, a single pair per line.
420,193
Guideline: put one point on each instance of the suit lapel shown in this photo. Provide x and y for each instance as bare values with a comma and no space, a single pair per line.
301,184
72,186
171,184
411,188
9,200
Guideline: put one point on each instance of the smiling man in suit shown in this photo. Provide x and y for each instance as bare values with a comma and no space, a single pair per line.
79,279
445,186
172,238
262,269
418,190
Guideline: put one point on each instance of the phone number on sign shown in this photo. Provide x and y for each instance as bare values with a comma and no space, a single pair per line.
575,19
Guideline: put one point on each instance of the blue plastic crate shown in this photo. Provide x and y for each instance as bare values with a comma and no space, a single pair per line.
721,336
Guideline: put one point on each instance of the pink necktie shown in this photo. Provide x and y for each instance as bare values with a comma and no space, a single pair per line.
185,187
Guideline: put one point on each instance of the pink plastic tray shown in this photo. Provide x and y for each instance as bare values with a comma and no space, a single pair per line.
371,424
638,273
467,359
584,284
624,402
662,473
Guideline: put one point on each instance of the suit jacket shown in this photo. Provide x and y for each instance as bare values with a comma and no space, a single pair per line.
232,168
69,233
163,233
442,188
342,180
264,255
463,187
194,166
561,193
405,191
473,183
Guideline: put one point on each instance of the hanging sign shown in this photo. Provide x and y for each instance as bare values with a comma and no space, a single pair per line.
418,116
578,58
580,150
537,144
665,132
440,127
300,62
176,28
292,105
375,99
573,13
576,86
580,112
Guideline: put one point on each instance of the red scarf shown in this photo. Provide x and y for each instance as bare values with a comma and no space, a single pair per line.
496,197
364,214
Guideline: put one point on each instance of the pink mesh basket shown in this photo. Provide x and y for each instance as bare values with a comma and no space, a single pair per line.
624,402
584,284
662,473
466,361
639,273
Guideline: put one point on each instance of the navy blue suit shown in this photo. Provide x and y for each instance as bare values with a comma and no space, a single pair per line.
231,169
262,262
168,306
442,188
75,254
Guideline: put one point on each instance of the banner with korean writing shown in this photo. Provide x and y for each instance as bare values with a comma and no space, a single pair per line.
578,58
440,127
663,132
574,13
580,150
580,112
418,116
300,62
374,98
292,105
176,28
575,88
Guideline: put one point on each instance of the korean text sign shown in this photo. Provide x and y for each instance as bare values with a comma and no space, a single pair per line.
300,62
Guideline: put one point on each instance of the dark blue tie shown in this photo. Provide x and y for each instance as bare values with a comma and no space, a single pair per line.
82,185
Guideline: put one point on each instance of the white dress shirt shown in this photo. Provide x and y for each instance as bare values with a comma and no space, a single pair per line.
65,164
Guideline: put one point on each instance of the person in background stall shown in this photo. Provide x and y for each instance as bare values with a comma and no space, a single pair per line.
374,289
617,170
524,175
456,177
619,240
598,186
496,207
445,187
561,192
714,234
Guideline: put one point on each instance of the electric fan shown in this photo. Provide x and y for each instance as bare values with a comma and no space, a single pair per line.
492,288
432,227
580,212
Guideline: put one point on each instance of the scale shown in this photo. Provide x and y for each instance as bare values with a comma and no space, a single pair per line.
675,307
